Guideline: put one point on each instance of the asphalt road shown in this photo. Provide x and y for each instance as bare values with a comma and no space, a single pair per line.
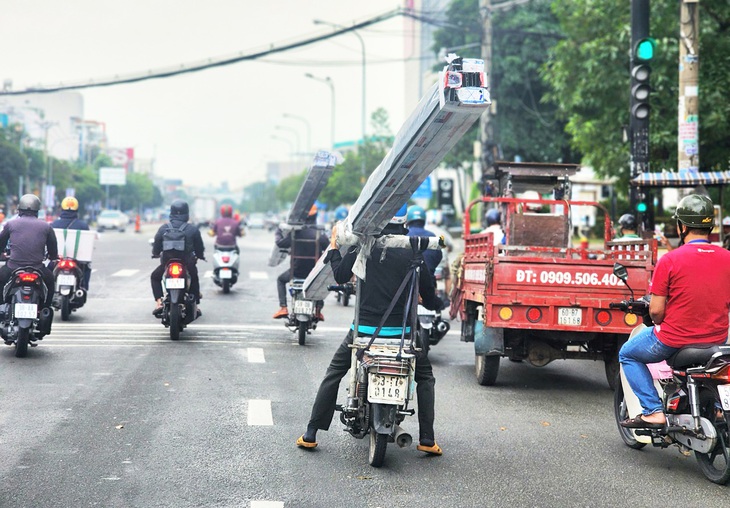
108,412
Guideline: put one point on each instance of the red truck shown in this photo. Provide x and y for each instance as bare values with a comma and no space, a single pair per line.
539,298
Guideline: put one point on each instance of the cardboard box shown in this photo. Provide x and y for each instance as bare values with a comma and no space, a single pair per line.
75,243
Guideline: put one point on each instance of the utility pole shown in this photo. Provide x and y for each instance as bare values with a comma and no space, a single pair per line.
486,127
688,155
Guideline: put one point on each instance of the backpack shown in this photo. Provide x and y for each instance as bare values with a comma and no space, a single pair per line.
174,239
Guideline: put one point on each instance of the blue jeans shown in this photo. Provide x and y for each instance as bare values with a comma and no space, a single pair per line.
644,348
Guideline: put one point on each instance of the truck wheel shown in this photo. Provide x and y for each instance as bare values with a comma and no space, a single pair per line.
487,368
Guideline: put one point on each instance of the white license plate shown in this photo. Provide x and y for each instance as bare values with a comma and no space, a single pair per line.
303,307
66,280
25,310
225,273
724,391
175,283
386,389
570,316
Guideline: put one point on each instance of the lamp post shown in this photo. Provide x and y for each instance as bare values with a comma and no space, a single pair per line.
309,130
328,82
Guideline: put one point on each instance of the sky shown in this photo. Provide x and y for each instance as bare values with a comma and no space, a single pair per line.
218,124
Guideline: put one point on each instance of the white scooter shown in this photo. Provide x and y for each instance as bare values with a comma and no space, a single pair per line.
225,267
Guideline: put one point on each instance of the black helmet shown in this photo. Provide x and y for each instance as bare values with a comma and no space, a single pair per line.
695,211
29,203
627,221
179,210
493,216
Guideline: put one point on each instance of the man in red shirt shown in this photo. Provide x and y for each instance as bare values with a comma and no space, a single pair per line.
690,300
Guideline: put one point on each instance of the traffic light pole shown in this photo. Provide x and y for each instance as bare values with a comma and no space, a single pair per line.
641,54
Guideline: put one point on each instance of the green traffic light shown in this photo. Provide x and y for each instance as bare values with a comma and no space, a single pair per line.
641,207
645,49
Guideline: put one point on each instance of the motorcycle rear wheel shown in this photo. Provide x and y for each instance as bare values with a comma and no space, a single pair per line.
345,298
21,344
226,285
378,445
174,321
302,333
716,464
65,308
621,413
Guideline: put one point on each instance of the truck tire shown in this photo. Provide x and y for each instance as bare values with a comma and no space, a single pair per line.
487,368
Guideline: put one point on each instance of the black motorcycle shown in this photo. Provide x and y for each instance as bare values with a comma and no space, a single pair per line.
179,306
23,319
343,292
70,295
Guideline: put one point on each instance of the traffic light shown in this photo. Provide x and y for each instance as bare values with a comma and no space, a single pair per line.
641,57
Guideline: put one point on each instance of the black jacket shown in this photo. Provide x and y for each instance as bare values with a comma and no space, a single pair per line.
68,219
308,245
192,235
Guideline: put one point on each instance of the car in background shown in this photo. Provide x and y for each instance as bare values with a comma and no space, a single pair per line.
112,219
256,221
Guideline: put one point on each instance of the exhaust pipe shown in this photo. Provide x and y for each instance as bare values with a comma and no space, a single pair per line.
402,438
443,327
80,293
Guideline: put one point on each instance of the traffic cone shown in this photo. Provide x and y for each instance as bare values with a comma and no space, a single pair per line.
137,227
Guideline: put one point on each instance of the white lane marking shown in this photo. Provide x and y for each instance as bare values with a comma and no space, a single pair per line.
259,412
208,274
267,504
118,327
258,275
256,355
125,273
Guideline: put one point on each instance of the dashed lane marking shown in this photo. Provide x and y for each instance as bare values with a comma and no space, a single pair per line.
267,504
255,355
208,274
259,412
258,275
125,273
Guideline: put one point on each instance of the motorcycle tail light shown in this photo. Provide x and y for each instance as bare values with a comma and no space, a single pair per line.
722,374
28,277
673,403
175,270
603,317
67,264
534,314
226,259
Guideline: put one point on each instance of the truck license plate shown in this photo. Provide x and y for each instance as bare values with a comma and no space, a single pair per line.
66,280
386,389
175,283
724,391
570,316
225,273
25,311
303,307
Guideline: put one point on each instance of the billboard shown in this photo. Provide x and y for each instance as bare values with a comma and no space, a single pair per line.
112,176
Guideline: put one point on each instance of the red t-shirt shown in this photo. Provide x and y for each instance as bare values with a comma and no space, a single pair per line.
695,278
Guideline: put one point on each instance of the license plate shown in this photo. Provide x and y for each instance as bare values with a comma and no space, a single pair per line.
386,389
225,273
66,280
303,307
175,283
570,316
25,311
724,391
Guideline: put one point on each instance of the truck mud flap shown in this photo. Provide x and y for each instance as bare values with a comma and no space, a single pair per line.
487,340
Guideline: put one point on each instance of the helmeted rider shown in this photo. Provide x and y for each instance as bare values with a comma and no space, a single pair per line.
628,227
69,219
415,223
690,301
194,250
31,240
493,218
226,229
385,270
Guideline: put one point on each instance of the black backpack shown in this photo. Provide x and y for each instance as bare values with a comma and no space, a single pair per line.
174,239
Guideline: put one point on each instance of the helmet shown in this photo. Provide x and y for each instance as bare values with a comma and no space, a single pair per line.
179,208
415,213
341,213
400,216
70,203
628,221
226,210
312,211
695,211
29,203
493,216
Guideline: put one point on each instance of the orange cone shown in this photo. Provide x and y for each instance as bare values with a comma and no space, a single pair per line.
137,228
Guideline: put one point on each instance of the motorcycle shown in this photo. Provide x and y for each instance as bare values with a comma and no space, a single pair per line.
380,389
225,267
69,295
303,316
431,327
23,319
179,307
694,384
343,292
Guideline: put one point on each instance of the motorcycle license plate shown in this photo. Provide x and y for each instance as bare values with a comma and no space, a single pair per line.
303,307
225,273
386,389
724,391
25,310
570,316
175,283
66,280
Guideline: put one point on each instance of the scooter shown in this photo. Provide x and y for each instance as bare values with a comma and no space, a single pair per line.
303,316
225,267
179,307
69,294
23,319
695,388
431,327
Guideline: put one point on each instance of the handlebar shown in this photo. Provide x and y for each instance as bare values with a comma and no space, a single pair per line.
640,307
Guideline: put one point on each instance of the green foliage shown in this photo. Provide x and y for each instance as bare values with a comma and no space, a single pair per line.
288,188
259,197
12,165
138,192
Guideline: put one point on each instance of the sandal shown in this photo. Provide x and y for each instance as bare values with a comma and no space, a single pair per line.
431,450
305,444
639,423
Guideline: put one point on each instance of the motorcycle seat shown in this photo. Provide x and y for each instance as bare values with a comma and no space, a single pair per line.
695,356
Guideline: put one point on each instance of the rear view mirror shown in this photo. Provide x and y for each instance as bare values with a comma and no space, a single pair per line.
619,271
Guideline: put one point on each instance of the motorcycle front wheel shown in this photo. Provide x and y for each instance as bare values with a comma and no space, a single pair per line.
65,308
21,344
302,333
174,321
716,464
345,299
378,445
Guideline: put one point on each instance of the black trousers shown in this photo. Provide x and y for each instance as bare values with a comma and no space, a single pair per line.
47,275
281,282
156,280
326,399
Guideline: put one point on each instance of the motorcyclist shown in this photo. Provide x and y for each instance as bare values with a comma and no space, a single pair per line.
628,227
415,223
226,229
31,240
385,269
69,219
690,300
194,250
306,245
493,218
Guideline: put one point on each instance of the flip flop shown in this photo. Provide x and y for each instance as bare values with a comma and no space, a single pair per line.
305,444
639,423
431,450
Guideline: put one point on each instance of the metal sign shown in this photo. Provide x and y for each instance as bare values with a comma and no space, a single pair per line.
112,176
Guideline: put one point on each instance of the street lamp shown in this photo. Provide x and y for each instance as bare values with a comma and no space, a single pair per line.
309,130
328,82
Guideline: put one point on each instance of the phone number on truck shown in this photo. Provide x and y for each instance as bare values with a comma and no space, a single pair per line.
566,278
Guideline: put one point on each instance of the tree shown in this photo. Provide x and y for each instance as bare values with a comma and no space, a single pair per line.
12,166
288,188
137,192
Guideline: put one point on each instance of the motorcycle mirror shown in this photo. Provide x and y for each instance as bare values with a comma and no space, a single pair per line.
620,271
